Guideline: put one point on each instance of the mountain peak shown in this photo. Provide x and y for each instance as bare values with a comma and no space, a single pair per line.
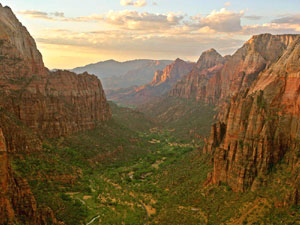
178,60
209,58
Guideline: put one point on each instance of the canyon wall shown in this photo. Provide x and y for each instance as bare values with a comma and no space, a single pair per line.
35,104
259,127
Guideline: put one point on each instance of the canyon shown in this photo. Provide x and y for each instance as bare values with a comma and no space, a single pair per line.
69,156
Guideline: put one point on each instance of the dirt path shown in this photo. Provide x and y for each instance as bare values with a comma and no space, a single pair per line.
93,220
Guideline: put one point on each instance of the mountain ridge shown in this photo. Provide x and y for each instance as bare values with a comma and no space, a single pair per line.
116,74
160,85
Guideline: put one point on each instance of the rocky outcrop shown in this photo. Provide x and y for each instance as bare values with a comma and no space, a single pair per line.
161,84
260,126
214,82
195,85
36,103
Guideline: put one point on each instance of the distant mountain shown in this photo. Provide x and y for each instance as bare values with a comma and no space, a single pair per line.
161,84
115,75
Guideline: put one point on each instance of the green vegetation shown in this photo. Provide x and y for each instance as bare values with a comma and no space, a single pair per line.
127,171
187,119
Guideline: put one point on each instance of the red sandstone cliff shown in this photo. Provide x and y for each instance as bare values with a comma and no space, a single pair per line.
197,83
213,82
57,103
260,126
36,103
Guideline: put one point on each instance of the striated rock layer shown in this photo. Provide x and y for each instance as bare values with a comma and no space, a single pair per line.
260,126
57,103
36,103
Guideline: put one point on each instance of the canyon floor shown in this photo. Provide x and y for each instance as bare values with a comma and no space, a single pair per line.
129,170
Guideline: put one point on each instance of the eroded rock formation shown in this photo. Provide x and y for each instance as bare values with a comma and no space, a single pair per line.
260,126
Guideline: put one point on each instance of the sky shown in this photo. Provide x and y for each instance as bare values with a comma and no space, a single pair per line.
72,33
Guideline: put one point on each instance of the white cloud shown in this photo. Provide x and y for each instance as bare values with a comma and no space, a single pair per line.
220,21
137,3
142,21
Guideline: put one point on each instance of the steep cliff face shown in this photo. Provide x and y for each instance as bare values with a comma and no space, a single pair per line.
161,84
36,103
214,82
58,103
16,44
260,127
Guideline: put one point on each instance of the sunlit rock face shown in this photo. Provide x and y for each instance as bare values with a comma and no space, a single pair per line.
216,78
259,126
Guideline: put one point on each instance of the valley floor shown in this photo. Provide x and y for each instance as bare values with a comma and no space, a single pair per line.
121,174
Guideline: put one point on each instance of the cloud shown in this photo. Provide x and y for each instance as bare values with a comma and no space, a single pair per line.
137,3
272,28
159,44
283,25
220,21
227,4
134,20
295,19
35,14
253,17
59,16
